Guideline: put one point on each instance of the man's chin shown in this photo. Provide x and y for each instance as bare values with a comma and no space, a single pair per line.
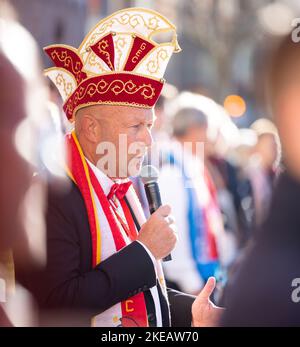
135,167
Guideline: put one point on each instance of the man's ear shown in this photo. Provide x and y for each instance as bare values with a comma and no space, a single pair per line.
90,127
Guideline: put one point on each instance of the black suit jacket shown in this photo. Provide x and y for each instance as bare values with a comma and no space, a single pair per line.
70,291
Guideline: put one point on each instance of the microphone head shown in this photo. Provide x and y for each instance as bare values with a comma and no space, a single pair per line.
149,174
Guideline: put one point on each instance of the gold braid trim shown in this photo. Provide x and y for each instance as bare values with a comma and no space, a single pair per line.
114,103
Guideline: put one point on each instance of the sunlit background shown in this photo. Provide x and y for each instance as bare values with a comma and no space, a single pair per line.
222,41
221,72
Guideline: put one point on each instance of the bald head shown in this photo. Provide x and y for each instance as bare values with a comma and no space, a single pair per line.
99,112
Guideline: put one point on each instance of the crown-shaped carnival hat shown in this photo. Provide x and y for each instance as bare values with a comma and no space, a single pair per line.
118,62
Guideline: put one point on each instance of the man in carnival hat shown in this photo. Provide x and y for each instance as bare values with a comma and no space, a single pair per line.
104,257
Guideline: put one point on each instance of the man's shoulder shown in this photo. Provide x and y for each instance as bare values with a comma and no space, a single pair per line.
60,192
65,210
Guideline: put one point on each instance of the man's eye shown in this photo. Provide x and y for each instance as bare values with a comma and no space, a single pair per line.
135,126
149,126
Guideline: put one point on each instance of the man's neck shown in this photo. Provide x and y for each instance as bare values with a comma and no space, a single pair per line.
104,172
89,154
88,151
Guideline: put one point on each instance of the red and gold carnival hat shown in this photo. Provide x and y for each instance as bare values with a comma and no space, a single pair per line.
118,62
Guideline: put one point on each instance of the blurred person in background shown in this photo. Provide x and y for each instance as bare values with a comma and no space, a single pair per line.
22,102
162,124
241,156
262,167
186,185
265,289
11,194
232,186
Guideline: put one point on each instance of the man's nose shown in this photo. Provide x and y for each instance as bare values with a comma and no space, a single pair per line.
147,137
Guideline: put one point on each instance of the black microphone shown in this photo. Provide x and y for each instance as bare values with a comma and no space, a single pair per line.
149,176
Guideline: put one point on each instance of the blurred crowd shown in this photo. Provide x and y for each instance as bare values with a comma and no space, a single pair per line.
218,179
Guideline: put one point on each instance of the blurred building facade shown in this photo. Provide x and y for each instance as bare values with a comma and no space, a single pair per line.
222,41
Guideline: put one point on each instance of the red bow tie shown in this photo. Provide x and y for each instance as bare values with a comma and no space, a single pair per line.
119,190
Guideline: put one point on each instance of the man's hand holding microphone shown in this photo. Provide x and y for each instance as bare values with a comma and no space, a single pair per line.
159,233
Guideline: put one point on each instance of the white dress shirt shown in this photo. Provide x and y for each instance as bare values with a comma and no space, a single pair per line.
106,184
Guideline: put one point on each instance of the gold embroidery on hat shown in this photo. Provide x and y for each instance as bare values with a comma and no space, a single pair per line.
136,19
92,61
120,44
122,25
152,24
116,86
67,86
102,45
69,78
154,64
65,58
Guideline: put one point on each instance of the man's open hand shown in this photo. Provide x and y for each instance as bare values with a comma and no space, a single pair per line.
204,312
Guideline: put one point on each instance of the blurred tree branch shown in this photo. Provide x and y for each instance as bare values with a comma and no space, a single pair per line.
220,26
